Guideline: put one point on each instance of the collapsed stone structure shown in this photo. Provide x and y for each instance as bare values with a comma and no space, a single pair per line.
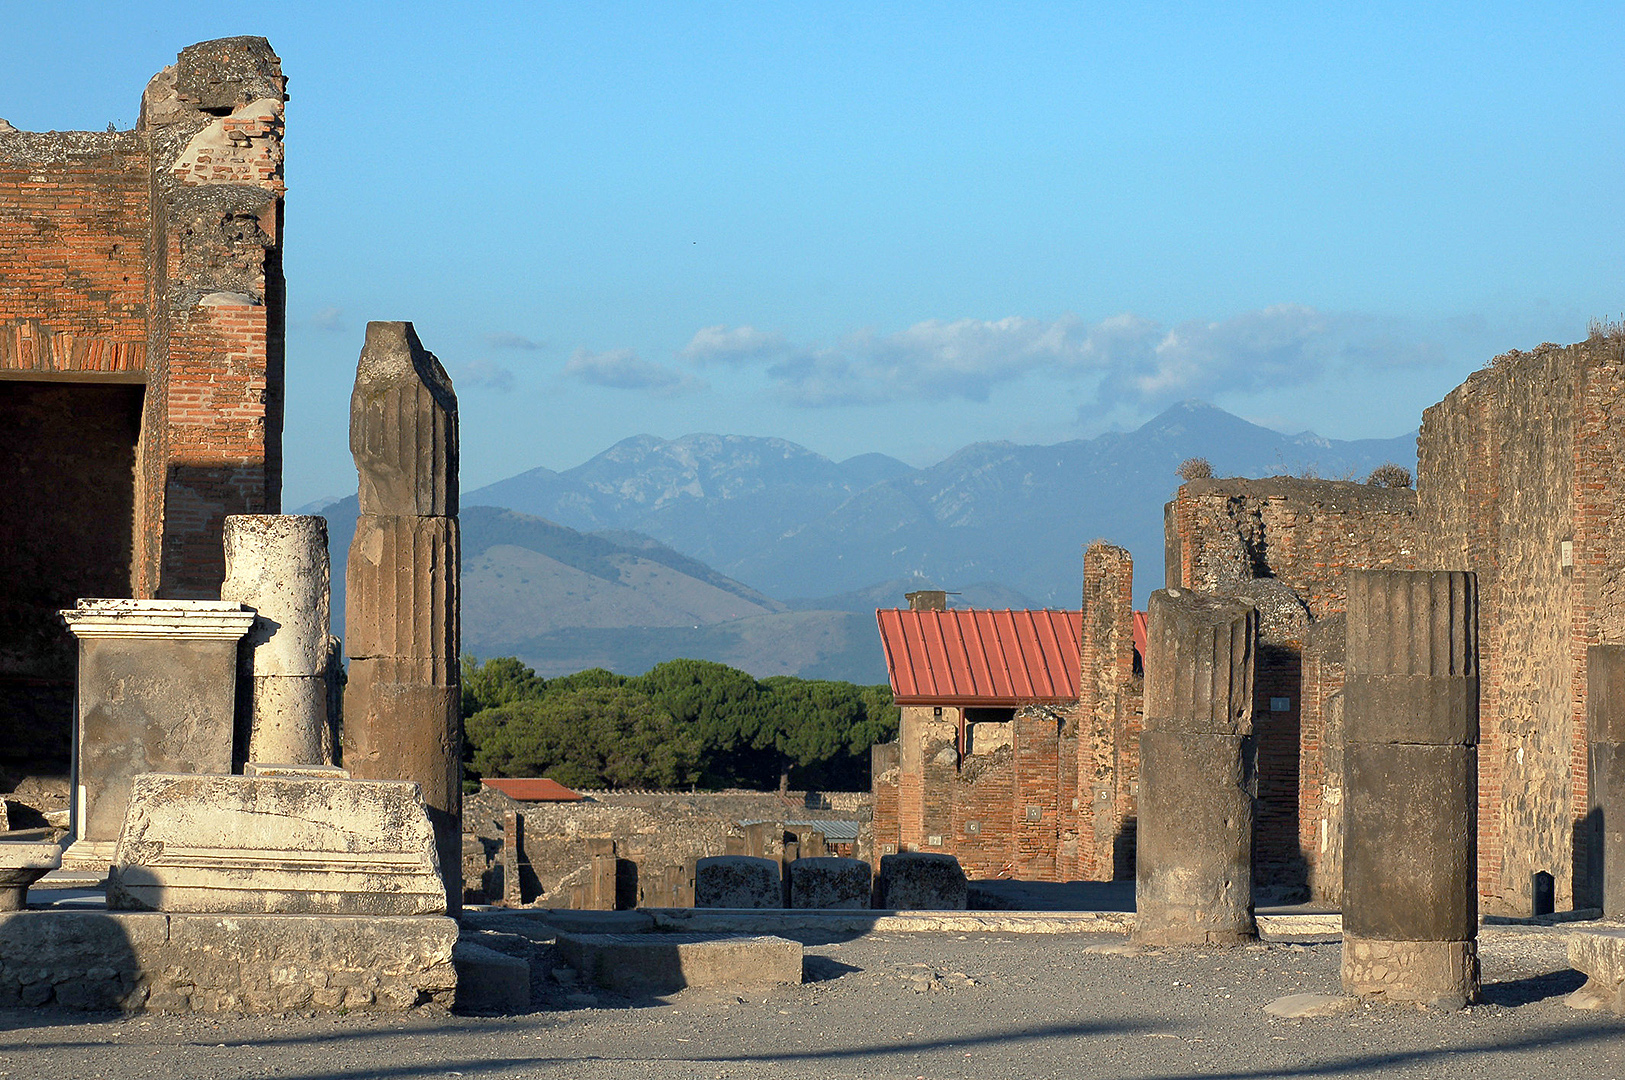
141,363
1005,758
1521,470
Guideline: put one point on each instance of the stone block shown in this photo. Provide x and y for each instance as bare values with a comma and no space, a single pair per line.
663,963
264,963
277,565
1404,709
922,881
1199,671
402,588
1411,847
1605,694
23,862
737,881
1412,622
1600,955
1439,973
1194,846
403,426
276,845
830,882
156,693
489,981
1604,876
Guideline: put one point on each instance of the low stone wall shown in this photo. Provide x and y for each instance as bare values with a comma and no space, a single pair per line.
225,963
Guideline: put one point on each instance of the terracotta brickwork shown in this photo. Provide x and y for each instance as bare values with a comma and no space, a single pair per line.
152,259
1042,791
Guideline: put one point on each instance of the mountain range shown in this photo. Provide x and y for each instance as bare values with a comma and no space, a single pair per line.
791,523
762,554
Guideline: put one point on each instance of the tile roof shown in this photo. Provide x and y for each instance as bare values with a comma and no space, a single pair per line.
533,789
981,657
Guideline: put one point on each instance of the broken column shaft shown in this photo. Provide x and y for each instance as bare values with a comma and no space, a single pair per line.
402,704
277,565
1410,870
1194,876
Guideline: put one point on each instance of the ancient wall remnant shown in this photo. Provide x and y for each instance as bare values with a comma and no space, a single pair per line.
402,704
1520,479
1286,544
1603,883
1410,891
141,361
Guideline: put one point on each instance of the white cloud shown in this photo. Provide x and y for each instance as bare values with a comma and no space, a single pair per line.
329,319
480,372
507,339
1129,358
623,369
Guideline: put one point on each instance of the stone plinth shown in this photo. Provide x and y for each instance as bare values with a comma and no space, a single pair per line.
277,565
1198,781
225,963
922,881
23,862
402,704
1600,954
1410,863
275,845
737,881
157,693
662,963
829,882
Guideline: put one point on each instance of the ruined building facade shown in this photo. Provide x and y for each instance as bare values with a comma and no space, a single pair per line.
1521,480
141,361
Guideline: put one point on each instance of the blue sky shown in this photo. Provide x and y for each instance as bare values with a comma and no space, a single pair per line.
904,227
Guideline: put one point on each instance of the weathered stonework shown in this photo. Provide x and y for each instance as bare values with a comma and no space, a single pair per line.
922,881
277,565
224,963
157,683
276,845
737,881
402,704
1194,879
1602,884
1410,896
830,882
141,362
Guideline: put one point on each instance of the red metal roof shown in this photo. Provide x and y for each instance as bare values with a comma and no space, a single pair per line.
533,789
1141,634
981,657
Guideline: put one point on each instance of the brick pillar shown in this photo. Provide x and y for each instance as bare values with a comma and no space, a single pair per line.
1106,668
1037,745
1604,878
1194,877
1410,888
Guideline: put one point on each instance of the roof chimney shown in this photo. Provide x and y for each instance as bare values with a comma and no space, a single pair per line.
928,600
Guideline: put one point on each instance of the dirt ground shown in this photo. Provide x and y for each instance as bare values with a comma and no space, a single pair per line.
902,1005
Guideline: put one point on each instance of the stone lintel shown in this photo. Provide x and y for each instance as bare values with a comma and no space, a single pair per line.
120,618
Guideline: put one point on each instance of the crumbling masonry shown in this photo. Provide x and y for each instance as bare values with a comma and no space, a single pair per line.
141,362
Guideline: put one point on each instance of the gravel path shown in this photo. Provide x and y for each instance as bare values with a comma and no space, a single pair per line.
987,1006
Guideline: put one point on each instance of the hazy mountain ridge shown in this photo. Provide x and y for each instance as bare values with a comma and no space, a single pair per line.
762,554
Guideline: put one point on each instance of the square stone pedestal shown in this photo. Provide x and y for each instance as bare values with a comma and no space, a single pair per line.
157,694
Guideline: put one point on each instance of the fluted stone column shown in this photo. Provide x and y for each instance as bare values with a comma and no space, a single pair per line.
1194,857
277,565
402,704
1410,869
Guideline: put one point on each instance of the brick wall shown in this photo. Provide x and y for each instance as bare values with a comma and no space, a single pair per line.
1286,544
153,258
1519,463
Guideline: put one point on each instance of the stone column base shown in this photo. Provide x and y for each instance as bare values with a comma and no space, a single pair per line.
1185,931
1442,973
